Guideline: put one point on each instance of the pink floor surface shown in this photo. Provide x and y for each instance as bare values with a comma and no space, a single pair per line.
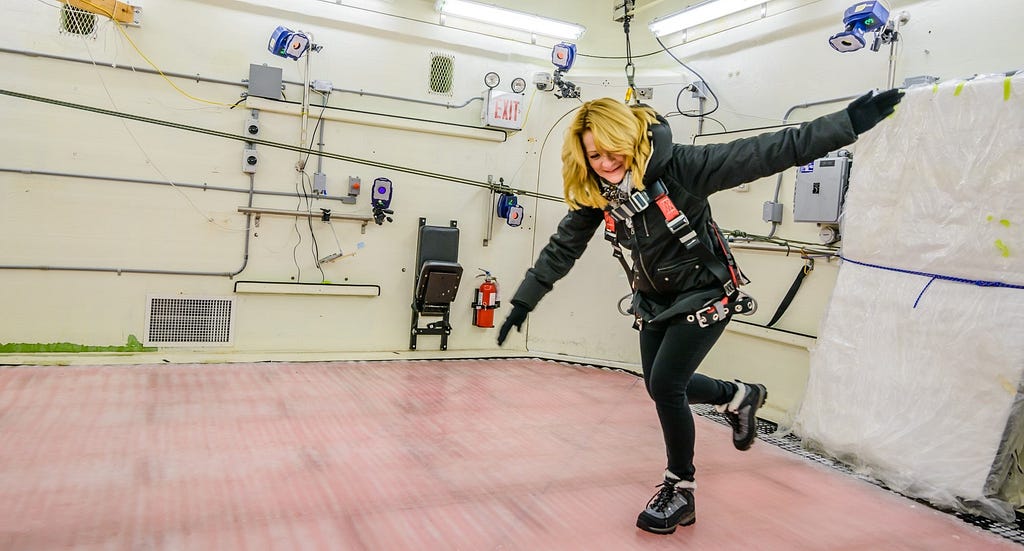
403,455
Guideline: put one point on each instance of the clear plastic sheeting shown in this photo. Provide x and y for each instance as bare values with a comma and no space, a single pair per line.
916,377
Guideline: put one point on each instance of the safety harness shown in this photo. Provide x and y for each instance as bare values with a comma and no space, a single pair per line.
727,272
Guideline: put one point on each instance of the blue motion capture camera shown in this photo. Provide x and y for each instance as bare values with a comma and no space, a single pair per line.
287,43
861,18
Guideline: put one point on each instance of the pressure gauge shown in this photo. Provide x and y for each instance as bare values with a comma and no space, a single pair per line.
828,234
518,85
491,79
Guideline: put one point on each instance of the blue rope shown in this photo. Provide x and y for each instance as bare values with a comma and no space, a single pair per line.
933,277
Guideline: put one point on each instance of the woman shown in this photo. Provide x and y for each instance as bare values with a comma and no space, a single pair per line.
620,167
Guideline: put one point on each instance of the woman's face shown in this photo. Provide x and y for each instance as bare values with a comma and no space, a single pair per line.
609,166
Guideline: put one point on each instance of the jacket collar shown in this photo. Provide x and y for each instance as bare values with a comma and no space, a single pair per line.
661,150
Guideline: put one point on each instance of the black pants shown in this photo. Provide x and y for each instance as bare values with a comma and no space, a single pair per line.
670,354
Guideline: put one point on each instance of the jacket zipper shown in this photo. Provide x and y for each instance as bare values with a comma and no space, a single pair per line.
640,256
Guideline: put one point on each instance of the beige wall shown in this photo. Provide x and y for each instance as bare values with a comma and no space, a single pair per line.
759,71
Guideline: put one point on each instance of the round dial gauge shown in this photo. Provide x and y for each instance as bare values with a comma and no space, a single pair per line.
518,85
491,79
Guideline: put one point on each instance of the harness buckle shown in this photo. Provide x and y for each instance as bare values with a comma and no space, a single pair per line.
730,288
609,227
639,201
678,223
707,316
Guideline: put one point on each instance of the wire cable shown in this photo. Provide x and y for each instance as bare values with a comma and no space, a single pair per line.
145,154
120,27
277,145
314,246
702,79
540,156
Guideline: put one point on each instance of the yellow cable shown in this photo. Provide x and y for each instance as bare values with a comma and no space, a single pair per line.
149,160
528,106
120,27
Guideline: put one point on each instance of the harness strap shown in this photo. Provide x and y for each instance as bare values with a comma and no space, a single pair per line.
723,308
609,236
726,272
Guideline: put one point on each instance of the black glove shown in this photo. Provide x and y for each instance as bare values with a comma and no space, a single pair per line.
868,110
516,317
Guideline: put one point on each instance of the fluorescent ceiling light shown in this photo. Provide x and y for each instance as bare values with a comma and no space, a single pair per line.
502,17
698,14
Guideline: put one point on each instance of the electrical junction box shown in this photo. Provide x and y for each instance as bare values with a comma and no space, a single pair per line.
503,110
820,189
265,81
320,183
354,186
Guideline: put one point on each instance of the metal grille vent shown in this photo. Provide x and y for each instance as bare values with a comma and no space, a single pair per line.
77,21
442,71
184,321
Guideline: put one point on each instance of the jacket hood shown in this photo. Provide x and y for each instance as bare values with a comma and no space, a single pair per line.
661,150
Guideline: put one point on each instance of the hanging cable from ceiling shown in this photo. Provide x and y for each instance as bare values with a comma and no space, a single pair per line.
630,68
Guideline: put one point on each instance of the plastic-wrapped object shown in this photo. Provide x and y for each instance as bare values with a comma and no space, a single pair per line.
916,377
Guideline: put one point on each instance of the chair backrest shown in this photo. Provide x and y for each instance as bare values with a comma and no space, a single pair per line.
437,243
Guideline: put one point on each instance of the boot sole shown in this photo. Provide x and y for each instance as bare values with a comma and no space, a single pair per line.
686,521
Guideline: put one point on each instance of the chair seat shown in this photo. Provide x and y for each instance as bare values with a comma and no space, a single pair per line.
438,283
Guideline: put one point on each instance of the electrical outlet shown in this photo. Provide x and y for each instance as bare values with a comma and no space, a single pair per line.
252,126
645,93
249,160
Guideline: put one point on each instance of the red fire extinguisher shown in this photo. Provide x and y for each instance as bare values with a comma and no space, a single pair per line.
486,300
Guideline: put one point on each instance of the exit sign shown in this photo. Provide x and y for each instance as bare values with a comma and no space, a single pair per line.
504,110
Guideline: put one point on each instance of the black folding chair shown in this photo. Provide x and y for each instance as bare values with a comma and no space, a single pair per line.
438,274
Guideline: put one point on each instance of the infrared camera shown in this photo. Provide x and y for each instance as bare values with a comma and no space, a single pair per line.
860,19
287,43
380,201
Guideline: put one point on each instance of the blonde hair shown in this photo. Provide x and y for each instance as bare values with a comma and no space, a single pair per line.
617,130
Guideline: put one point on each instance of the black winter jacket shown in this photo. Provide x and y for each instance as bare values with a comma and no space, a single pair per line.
667,279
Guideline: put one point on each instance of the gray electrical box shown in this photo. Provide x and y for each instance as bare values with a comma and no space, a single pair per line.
320,183
820,189
265,81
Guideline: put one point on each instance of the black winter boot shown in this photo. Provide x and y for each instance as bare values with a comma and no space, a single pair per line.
741,413
672,506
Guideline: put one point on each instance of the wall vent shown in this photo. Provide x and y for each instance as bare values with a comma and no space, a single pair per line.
77,21
442,74
190,321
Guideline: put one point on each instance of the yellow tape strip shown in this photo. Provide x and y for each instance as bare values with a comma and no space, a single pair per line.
959,88
1007,89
